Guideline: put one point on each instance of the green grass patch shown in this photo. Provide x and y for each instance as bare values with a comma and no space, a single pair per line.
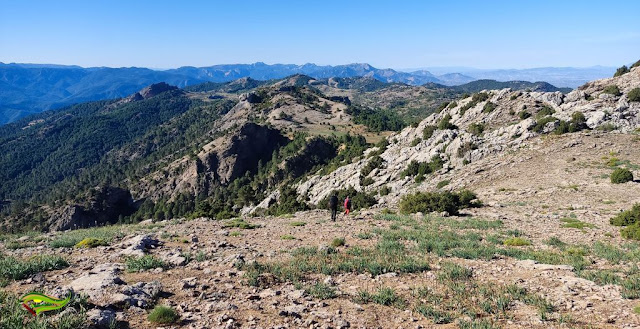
12,268
338,242
163,315
321,291
71,238
147,262
575,223
384,296
516,242
287,237
297,223
239,223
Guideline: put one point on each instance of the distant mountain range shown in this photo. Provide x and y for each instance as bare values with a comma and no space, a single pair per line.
570,77
32,88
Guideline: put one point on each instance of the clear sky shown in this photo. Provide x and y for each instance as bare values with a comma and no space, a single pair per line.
396,34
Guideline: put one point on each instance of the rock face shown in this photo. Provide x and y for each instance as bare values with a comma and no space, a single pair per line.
242,151
503,128
104,206
220,162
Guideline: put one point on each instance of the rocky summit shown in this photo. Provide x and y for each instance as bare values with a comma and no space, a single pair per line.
207,207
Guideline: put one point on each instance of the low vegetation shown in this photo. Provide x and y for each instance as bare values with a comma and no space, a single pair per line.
163,315
14,316
421,169
630,219
147,262
621,175
427,202
445,123
634,95
359,199
612,90
428,131
12,268
621,70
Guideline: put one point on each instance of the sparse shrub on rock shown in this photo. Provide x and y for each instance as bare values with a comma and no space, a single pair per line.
428,131
634,95
489,107
631,219
621,70
621,175
423,168
426,202
359,199
627,217
613,90
446,124
476,128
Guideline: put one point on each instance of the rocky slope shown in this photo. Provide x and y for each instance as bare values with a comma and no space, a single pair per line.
504,129
540,253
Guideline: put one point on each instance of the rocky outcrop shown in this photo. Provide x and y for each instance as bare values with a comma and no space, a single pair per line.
242,151
479,130
104,205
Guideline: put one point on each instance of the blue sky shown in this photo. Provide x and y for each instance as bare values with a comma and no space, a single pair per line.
396,34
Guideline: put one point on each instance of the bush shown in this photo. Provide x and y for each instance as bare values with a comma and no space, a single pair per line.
416,141
476,128
631,232
488,107
613,90
438,201
385,190
163,315
627,217
338,242
443,183
366,181
636,64
541,123
545,111
442,107
524,114
621,175
477,98
445,124
428,131
375,163
634,95
423,168
359,200
621,70
287,203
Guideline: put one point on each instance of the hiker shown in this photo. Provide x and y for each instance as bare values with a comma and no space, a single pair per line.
347,206
333,206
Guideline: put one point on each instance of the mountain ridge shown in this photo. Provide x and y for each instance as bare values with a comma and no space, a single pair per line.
32,88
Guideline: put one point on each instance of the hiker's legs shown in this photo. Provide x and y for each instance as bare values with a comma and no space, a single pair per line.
333,214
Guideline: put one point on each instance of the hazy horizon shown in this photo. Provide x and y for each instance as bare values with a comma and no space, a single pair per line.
495,35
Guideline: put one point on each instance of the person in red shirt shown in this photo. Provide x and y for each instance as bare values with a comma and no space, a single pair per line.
347,206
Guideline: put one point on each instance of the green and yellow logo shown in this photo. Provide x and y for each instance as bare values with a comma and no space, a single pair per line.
37,303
